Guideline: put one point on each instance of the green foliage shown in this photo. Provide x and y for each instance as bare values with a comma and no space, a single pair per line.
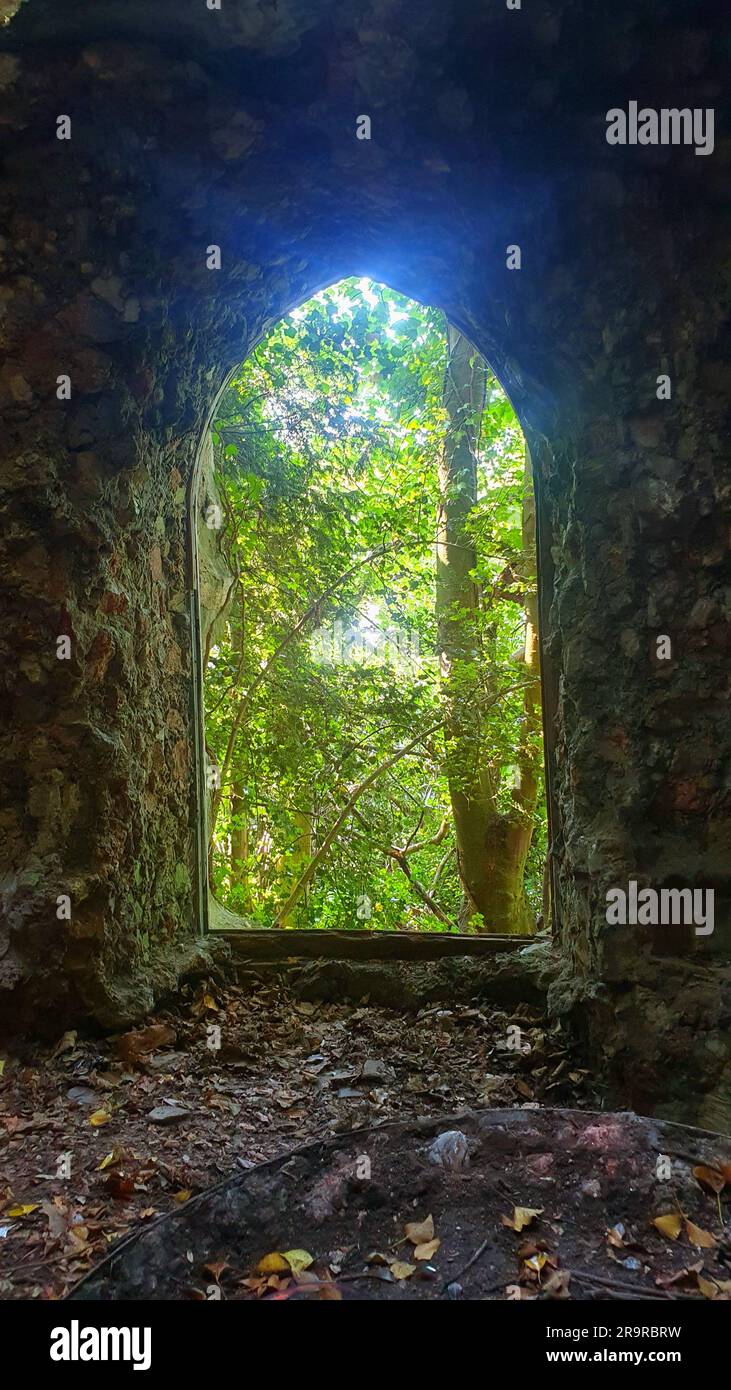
326,448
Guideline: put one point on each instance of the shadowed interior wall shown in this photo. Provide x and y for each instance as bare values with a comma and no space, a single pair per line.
237,129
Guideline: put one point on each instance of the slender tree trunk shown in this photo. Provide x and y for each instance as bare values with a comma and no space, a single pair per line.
239,836
508,837
239,851
456,611
491,847
298,861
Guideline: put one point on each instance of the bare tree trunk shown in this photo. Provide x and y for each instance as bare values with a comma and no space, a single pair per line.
239,834
508,837
239,850
300,858
491,847
456,610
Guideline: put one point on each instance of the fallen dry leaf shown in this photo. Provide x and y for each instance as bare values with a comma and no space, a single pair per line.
522,1217
401,1270
298,1260
426,1250
671,1224
710,1178
77,1240
274,1263
420,1231
664,1281
99,1117
132,1046
115,1156
697,1236
57,1214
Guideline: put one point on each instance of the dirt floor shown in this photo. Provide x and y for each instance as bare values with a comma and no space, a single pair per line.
493,1204
101,1137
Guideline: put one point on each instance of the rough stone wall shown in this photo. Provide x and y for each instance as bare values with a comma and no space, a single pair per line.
214,578
192,127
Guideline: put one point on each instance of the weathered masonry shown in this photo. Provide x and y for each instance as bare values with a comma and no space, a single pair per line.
238,129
